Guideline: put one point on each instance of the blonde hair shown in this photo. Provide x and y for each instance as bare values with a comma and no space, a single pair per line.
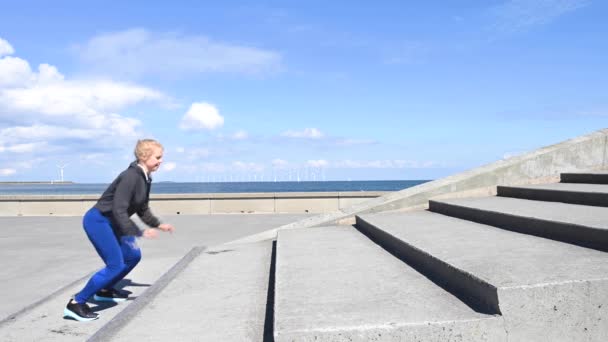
143,148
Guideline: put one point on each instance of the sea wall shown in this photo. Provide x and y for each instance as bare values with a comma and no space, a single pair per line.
193,204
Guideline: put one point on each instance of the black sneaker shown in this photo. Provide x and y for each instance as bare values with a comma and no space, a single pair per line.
111,295
79,311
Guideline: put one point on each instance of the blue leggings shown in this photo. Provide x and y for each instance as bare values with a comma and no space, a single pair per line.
120,256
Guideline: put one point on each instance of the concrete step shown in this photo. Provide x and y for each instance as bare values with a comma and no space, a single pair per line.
596,177
45,322
577,224
546,290
574,193
334,284
221,296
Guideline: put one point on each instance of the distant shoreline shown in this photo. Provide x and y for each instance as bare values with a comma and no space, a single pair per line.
37,182
16,188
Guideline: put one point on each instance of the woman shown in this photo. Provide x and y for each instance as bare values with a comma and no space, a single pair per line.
112,233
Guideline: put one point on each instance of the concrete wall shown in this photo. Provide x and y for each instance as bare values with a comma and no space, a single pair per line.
193,204
584,153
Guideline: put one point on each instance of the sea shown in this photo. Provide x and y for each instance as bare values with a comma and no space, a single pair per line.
215,187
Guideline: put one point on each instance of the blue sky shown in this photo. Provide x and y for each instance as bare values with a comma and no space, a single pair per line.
334,90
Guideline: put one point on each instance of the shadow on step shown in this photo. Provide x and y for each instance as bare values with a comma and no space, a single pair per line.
129,283
478,295
121,285
269,320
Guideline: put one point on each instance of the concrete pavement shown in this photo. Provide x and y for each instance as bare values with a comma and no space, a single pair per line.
42,255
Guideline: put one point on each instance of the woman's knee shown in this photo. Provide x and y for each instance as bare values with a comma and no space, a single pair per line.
133,258
116,268
130,250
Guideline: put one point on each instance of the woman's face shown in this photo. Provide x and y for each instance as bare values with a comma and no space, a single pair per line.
154,160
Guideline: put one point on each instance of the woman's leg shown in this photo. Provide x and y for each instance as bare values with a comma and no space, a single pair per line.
131,256
102,236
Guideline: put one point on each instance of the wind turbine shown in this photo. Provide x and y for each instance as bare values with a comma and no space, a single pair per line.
61,167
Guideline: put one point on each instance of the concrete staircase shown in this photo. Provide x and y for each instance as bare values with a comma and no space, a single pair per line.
534,255
529,264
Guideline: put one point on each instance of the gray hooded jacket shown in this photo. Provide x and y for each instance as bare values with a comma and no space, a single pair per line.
127,195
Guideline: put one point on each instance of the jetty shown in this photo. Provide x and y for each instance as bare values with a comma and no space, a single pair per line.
516,250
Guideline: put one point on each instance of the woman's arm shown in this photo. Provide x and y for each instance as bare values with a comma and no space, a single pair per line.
123,194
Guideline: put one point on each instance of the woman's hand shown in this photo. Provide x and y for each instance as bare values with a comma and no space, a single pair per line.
166,227
150,233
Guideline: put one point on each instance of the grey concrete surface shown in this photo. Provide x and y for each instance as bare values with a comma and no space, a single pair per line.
220,296
41,255
45,321
547,290
333,284
118,322
271,234
572,223
585,194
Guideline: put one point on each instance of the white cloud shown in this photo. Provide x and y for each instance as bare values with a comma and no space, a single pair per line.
30,163
22,148
43,112
247,166
352,142
46,132
116,131
384,164
5,48
280,163
48,74
121,126
180,150
7,172
45,97
317,163
196,153
169,166
240,135
307,133
15,72
99,159
138,52
201,115
520,15
213,167
84,102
